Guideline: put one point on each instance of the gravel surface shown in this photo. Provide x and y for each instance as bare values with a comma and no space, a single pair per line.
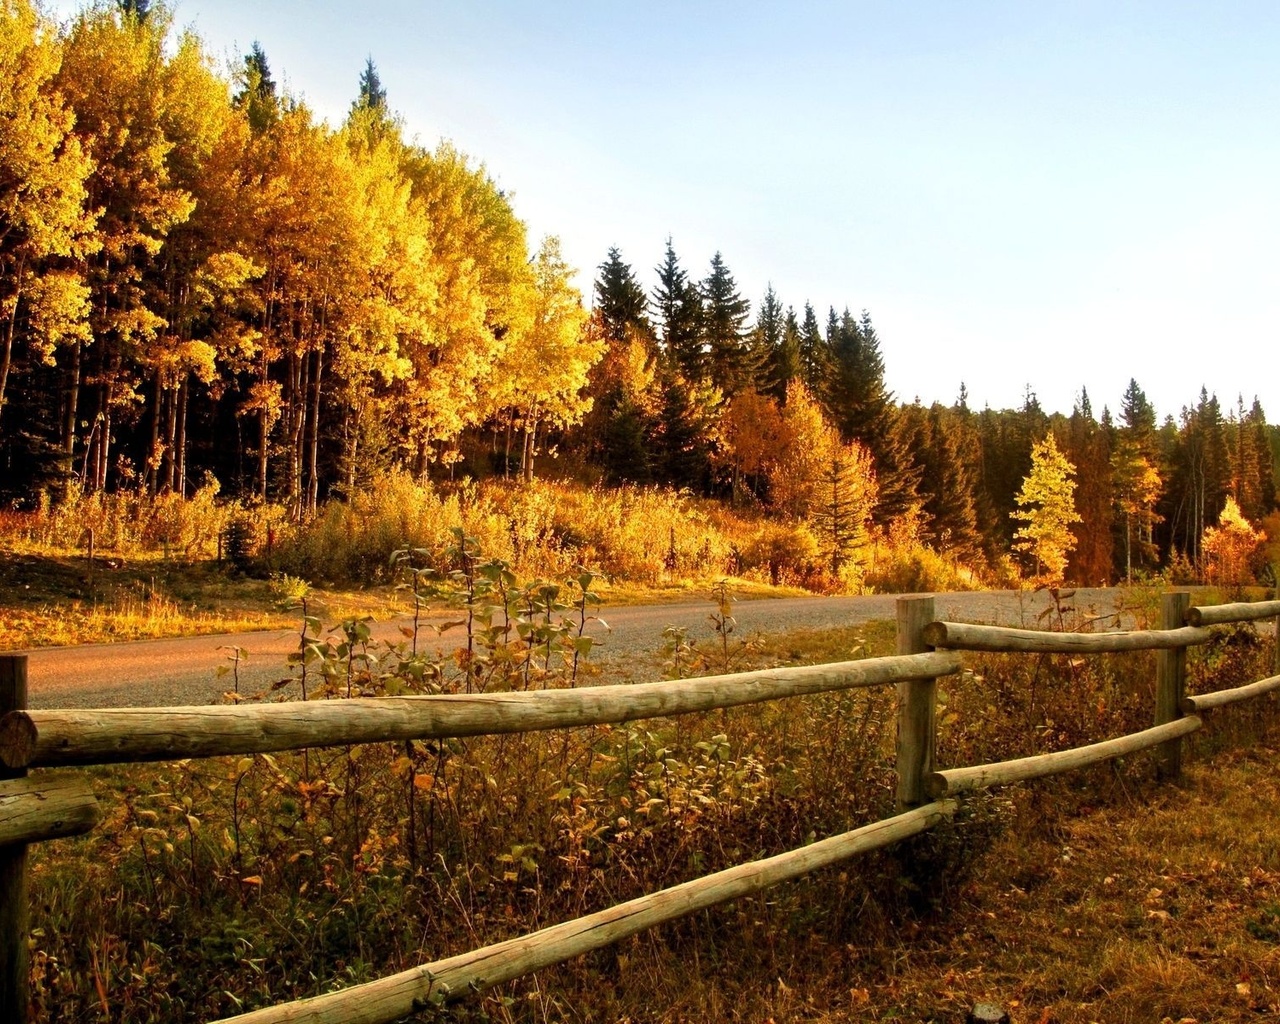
184,671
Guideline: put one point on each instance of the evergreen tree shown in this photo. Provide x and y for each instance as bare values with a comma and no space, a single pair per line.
1137,413
1247,460
372,96
621,300
724,318
257,95
677,306
136,9
1087,446
1199,475
686,433
862,408
1257,422
946,483
778,365
815,360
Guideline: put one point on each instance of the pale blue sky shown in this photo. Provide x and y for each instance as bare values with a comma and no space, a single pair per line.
1055,194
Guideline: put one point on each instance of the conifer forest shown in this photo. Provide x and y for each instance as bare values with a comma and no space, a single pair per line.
204,285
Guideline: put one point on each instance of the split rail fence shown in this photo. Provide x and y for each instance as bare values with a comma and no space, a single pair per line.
40,807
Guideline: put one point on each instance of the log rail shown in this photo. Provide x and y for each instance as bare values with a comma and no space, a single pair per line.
44,807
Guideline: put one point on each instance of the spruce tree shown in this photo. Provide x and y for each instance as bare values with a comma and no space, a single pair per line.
815,361
1257,423
257,95
1087,446
677,307
862,408
946,484
724,318
372,96
621,300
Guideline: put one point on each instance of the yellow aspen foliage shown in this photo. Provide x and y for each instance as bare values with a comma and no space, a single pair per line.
542,375
482,275
1046,507
753,437
43,169
1231,548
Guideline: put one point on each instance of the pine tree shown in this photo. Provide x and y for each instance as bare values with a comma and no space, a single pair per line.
724,318
862,408
257,95
1046,506
1087,446
1199,474
621,300
787,363
946,484
1257,423
815,357
686,437
774,352
677,306
372,96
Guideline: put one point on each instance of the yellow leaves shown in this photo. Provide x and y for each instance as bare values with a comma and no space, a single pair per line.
1046,505
57,311
1231,547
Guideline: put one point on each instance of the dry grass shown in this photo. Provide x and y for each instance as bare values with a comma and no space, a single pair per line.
55,599
1164,906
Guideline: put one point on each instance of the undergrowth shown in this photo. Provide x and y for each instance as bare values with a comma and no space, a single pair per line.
644,536
221,885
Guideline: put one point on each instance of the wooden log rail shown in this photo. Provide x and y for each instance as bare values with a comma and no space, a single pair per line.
1002,773
1193,705
34,809
1221,614
33,739
966,636
391,998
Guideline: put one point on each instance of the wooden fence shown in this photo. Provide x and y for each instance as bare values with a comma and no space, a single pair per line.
33,809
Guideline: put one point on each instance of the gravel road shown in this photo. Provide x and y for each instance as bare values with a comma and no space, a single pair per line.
184,671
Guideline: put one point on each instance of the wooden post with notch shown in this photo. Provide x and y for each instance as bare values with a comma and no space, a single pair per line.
14,905
917,728
1171,682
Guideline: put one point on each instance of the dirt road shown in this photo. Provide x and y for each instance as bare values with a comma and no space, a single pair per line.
184,671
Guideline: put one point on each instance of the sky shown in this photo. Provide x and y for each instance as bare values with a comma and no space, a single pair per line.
1054,196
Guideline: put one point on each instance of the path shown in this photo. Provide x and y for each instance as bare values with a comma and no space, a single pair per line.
184,671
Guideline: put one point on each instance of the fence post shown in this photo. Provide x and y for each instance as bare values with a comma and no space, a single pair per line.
1171,682
917,727
14,905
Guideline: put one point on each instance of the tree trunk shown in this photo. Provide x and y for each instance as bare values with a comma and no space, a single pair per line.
170,441
73,401
151,476
180,441
104,438
6,353
313,477
530,444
